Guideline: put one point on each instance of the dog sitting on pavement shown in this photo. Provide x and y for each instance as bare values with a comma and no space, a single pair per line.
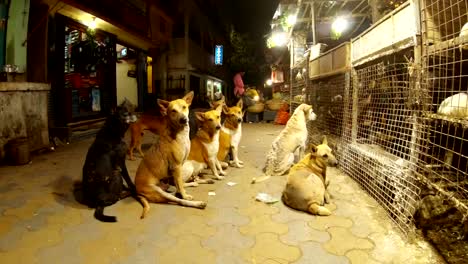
104,168
153,123
193,119
306,187
165,158
231,134
205,146
293,137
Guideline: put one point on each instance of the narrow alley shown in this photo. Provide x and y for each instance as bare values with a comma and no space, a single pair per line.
42,223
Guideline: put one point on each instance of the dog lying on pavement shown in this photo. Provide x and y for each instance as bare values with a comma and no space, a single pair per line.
293,137
306,187
166,158
105,167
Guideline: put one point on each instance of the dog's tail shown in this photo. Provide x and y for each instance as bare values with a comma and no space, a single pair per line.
99,215
261,179
145,205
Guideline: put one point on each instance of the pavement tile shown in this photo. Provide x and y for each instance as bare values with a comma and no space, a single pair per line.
342,240
268,247
263,224
313,252
300,232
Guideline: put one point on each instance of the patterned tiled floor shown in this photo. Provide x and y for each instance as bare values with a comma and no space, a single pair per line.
41,222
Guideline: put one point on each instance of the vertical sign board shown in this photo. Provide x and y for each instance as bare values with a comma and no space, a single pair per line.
218,55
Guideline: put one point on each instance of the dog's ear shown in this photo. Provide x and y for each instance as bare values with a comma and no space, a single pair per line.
214,105
219,108
225,109
240,103
200,116
163,105
188,97
325,141
311,148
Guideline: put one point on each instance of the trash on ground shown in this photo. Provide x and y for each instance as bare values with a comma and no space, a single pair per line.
266,198
231,183
211,193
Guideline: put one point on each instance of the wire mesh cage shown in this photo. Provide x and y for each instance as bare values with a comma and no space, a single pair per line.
298,85
378,112
444,121
326,96
443,20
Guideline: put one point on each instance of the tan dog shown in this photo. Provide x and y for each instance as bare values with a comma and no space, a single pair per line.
306,187
204,147
231,134
293,137
165,158
154,125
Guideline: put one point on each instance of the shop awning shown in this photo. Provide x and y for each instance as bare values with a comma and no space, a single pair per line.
85,18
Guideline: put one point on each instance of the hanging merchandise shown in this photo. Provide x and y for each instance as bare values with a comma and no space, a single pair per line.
96,99
277,76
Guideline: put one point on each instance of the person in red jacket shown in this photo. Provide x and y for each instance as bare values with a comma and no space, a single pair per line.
239,84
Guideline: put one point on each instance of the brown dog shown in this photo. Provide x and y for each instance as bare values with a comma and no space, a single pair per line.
165,158
306,187
154,124
145,122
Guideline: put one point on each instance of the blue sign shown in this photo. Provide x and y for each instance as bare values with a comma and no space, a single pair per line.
218,56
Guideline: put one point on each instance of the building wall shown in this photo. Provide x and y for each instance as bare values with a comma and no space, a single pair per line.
17,32
126,86
23,113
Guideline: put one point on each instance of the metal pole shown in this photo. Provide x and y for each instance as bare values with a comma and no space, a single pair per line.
312,10
3,27
291,65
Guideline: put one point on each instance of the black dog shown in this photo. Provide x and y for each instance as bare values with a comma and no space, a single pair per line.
105,164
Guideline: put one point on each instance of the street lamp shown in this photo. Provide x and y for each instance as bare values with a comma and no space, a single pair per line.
92,24
339,25
291,20
279,38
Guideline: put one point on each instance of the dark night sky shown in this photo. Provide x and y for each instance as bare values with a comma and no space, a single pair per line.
254,16
249,16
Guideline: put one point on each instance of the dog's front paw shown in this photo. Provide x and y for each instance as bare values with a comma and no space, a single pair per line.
222,173
217,177
240,162
238,165
200,205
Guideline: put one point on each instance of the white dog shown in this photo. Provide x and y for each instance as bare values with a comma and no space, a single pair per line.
293,137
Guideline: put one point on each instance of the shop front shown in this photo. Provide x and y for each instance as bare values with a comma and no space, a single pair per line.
93,72
83,86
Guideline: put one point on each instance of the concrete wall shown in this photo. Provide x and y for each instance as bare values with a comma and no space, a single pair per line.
126,86
17,32
23,112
